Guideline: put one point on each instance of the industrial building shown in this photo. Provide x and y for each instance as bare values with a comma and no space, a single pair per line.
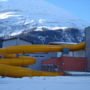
66,60
15,41
56,61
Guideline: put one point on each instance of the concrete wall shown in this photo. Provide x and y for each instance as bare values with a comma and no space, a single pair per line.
39,58
0,43
87,32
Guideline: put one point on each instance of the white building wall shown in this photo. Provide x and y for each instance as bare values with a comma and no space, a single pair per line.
14,42
80,53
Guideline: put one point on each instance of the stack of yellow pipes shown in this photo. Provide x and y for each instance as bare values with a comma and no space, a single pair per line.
10,62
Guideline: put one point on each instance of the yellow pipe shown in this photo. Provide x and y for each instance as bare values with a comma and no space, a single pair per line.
18,61
13,71
15,56
10,56
40,48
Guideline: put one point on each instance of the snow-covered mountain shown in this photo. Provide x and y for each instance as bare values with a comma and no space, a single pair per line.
39,21
17,16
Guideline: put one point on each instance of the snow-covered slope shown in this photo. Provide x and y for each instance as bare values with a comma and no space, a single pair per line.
16,16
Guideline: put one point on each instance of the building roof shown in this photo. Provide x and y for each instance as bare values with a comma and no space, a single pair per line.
62,43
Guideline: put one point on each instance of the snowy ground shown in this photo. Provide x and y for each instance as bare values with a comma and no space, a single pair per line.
46,83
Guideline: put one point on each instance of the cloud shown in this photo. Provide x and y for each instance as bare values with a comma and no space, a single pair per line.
7,15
